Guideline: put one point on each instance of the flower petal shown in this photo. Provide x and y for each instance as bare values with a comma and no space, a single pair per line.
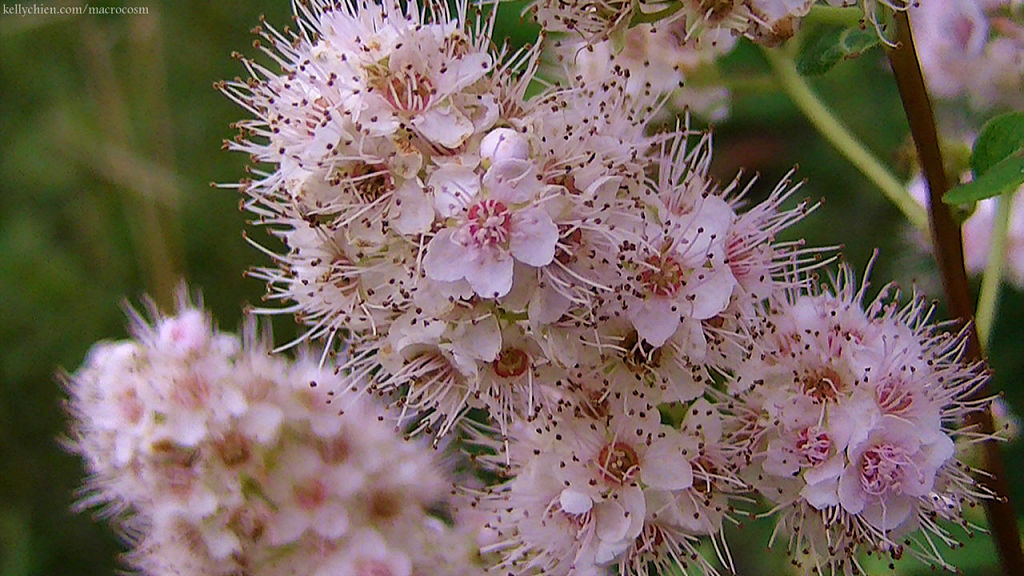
512,181
490,274
611,521
851,494
534,236
445,259
454,187
889,512
547,305
664,466
821,495
711,290
478,340
413,212
444,125
574,502
654,319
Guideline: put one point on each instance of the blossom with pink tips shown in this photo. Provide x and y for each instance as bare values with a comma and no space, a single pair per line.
488,238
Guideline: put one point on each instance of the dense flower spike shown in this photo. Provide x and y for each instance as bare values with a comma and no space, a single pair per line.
218,458
853,414
531,272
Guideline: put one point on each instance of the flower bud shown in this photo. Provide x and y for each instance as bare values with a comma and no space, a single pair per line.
503,144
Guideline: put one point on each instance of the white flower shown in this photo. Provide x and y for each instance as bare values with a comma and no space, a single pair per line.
585,481
434,364
890,470
490,234
666,58
591,19
678,270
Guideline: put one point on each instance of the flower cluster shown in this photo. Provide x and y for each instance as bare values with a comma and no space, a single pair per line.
218,458
851,416
765,21
622,344
608,483
972,48
644,348
663,58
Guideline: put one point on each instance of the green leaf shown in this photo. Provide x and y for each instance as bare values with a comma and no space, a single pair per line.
1005,177
828,46
1000,138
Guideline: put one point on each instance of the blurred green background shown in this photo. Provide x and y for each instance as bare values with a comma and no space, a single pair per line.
110,133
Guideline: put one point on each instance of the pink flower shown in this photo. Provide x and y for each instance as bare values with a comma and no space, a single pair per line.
891,470
482,247
681,274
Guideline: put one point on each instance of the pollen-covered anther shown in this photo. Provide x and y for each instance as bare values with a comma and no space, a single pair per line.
823,386
640,355
371,182
618,463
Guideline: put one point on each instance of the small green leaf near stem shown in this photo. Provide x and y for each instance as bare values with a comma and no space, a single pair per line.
1000,138
827,46
1000,180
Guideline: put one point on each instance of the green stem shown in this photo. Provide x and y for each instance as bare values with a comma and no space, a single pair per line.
848,16
751,84
158,258
840,137
988,296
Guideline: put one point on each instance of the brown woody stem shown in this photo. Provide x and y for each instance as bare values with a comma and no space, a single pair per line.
948,248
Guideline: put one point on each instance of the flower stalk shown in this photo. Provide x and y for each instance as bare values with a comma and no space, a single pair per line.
988,294
840,137
948,249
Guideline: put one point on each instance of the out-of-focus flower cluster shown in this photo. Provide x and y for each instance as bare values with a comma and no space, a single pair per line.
670,48
622,344
664,58
977,232
215,457
972,49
